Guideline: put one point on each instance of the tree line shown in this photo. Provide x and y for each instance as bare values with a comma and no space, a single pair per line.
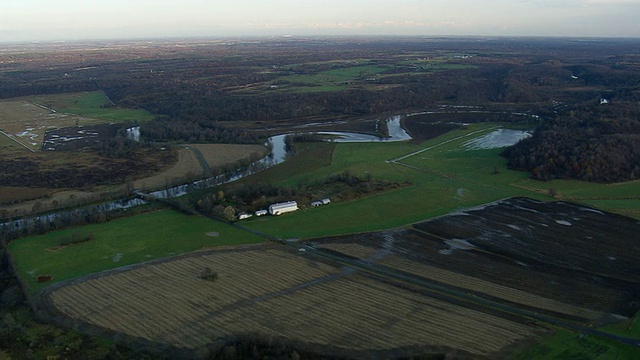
592,142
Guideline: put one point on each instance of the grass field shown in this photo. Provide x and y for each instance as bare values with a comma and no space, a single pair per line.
569,345
93,105
358,75
118,243
445,177
331,80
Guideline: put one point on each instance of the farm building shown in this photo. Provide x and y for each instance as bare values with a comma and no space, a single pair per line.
261,212
324,201
281,208
243,216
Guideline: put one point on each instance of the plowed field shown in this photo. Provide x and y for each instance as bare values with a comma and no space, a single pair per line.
275,291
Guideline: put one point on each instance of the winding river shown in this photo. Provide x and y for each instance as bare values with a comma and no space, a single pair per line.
277,155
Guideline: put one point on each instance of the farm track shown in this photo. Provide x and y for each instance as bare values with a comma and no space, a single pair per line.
11,137
456,294
205,166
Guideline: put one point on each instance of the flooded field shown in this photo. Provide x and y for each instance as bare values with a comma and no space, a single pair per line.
561,258
77,137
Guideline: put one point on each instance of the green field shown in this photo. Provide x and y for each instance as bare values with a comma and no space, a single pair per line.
93,105
445,178
364,74
569,345
331,80
118,243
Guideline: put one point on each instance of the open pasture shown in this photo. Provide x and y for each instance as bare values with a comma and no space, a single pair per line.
565,259
446,176
93,105
330,80
119,243
275,291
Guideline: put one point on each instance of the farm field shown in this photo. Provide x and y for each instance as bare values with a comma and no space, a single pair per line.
364,74
94,105
217,155
118,243
27,119
278,292
446,175
521,251
186,166
27,122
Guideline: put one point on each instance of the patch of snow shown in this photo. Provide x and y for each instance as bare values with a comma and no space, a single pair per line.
563,222
515,227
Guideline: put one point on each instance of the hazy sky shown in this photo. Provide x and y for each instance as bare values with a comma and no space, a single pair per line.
27,20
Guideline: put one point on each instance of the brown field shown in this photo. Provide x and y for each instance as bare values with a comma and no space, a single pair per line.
463,281
187,166
10,146
222,154
27,122
10,195
275,291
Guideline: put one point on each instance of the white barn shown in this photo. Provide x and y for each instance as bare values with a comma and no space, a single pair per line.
281,208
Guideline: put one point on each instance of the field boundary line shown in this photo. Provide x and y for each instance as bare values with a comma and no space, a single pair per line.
17,141
203,162
402,276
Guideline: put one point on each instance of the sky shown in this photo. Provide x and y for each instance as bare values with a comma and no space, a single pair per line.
52,20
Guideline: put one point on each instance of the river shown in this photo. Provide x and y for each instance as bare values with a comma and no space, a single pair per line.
277,155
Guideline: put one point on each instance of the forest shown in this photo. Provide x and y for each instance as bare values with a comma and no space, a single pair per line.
591,142
232,91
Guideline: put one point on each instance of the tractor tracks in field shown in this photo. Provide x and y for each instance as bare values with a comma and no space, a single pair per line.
459,296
